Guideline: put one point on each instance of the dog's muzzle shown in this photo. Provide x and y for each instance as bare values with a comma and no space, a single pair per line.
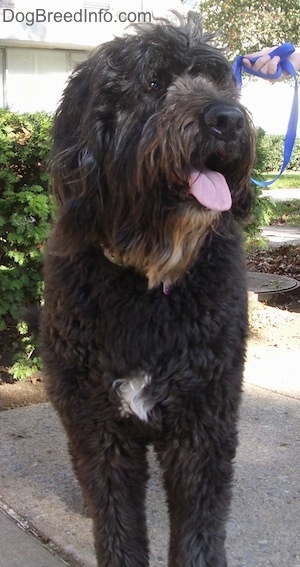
224,121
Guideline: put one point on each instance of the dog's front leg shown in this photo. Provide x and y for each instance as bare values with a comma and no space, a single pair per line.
112,472
197,475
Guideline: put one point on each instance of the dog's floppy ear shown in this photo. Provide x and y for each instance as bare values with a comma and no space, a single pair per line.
76,165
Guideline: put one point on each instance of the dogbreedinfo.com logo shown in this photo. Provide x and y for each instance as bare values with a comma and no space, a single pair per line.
83,15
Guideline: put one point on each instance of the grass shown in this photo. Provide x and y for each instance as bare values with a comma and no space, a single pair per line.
288,180
286,212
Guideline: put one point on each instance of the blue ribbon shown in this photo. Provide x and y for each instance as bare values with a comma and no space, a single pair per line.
283,51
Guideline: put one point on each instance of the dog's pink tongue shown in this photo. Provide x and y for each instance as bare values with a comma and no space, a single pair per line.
211,190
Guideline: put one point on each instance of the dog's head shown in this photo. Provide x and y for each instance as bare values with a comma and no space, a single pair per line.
151,149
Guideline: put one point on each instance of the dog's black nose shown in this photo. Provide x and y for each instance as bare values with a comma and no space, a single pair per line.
226,122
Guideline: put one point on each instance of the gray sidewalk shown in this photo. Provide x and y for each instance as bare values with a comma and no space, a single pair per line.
20,549
37,484
279,235
282,194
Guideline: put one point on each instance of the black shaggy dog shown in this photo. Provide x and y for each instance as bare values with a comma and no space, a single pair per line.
145,317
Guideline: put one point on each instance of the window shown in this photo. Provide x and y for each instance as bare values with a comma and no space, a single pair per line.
35,78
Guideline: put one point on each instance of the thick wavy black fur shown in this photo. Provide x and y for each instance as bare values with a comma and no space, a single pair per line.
145,318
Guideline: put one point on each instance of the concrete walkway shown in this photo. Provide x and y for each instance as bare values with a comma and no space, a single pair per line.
279,235
282,194
18,549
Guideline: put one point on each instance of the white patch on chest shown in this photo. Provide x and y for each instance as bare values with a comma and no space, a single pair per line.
134,398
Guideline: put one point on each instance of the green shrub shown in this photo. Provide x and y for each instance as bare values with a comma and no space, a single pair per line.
262,207
269,156
269,153
261,214
294,164
25,209
26,361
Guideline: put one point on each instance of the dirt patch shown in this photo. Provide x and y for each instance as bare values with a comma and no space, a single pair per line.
24,393
274,327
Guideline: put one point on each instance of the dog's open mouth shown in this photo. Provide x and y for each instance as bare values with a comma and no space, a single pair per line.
211,190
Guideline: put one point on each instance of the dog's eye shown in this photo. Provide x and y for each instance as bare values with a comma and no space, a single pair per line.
159,82
154,86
